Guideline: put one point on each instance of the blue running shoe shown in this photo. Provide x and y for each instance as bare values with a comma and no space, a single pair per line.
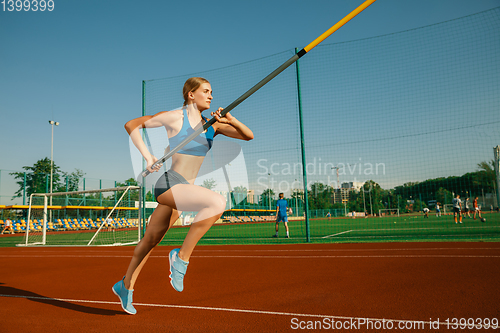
178,268
125,297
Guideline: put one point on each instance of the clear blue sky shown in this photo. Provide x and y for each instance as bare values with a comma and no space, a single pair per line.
83,63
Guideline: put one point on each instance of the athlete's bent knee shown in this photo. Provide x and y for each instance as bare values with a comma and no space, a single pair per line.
218,203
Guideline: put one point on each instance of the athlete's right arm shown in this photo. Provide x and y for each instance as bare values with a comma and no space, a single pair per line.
145,122
133,129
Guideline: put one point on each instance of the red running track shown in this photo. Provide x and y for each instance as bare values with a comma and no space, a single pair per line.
254,288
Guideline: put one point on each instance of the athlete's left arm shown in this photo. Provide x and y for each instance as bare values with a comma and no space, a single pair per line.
231,127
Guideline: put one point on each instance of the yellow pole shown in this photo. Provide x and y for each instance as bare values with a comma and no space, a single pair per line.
259,85
337,26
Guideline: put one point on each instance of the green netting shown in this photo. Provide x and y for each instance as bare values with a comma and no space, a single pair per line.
392,124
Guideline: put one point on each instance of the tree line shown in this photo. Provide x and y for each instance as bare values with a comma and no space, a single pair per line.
411,196
36,179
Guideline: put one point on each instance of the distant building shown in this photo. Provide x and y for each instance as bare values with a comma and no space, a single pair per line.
342,194
250,196
353,185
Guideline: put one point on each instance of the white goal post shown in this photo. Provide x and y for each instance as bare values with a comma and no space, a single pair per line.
387,212
104,217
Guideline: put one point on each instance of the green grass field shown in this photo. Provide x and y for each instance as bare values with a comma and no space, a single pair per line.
375,229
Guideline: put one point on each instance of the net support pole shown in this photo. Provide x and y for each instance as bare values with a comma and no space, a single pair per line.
24,189
142,191
263,82
496,153
303,151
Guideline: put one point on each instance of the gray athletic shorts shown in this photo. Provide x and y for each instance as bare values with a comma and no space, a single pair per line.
167,181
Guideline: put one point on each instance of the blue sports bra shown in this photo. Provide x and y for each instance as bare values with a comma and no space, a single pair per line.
199,146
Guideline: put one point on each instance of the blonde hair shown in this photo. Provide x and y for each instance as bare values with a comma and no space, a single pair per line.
191,85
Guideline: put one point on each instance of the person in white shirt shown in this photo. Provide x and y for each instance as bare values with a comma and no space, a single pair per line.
457,208
8,226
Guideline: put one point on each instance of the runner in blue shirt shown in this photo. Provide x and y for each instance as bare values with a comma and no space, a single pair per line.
281,215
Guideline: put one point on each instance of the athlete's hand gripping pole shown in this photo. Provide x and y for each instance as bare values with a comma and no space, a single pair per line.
259,85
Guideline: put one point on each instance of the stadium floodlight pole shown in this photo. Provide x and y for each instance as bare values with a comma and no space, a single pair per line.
52,123
259,85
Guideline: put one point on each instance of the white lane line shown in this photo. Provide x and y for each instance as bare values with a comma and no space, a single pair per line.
207,308
319,249
269,256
